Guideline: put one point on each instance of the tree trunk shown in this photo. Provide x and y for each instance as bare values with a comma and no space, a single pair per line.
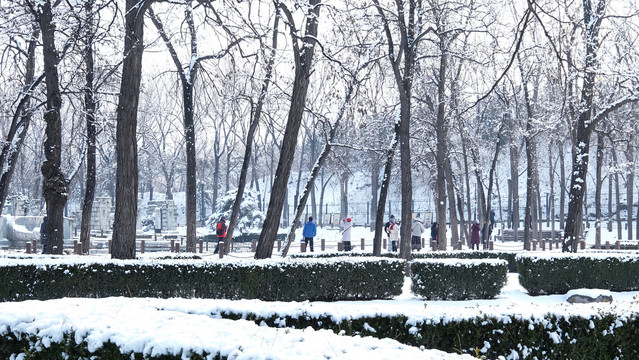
454,231
90,107
343,192
598,186
299,174
551,176
126,190
303,65
630,177
250,136
514,179
55,187
383,193
562,188
442,150
375,168
617,193
584,125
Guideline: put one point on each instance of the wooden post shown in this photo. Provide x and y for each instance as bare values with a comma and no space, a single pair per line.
28,248
534,245
221,249
177,247
459,245
201,245
582,244
543,245
607,245
142,246
172,245
491,245
110,241
617,245
75,247
363,244
253,245
433,245
385,244
323,244
34,246
340,246
550,245
302,246
424,243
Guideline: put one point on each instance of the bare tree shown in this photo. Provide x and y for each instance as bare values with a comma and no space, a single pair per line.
303,51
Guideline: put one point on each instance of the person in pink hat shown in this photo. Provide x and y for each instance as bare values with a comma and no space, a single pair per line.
346,225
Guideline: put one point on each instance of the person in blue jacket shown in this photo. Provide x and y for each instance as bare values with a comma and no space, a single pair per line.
309,232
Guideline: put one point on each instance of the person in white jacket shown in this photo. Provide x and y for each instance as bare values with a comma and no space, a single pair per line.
394,234
417,229
346,226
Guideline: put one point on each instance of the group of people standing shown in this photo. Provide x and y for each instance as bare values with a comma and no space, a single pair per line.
392,228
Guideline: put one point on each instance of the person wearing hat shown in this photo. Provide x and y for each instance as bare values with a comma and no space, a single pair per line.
394,234
346,225
221,233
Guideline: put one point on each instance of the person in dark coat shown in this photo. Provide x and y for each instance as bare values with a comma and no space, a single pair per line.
44,240
474,236
309,232
434,232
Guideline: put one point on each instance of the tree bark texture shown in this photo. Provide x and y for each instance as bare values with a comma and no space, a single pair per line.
55,186
126,190
89,108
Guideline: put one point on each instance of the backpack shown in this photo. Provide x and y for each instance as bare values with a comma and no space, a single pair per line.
387,227
220,229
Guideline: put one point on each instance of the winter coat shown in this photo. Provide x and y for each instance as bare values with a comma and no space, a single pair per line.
346,230
434,231
221,229
474,233
417,229
310,230
394,232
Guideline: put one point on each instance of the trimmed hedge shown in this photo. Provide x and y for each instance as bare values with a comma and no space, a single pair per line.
288,280
458,279
508,256
559,273
603,336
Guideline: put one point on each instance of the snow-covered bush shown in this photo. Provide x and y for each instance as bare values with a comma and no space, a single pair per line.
458,279
558,273
250,214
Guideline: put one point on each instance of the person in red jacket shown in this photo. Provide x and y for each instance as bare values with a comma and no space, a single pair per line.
221,233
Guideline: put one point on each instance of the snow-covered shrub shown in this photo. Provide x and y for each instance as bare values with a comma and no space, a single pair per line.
458,279
559,273
283,280
250,214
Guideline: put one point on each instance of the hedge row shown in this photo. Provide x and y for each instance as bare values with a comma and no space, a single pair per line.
31,347
602,336
559,273
508,256
289,280
458,279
